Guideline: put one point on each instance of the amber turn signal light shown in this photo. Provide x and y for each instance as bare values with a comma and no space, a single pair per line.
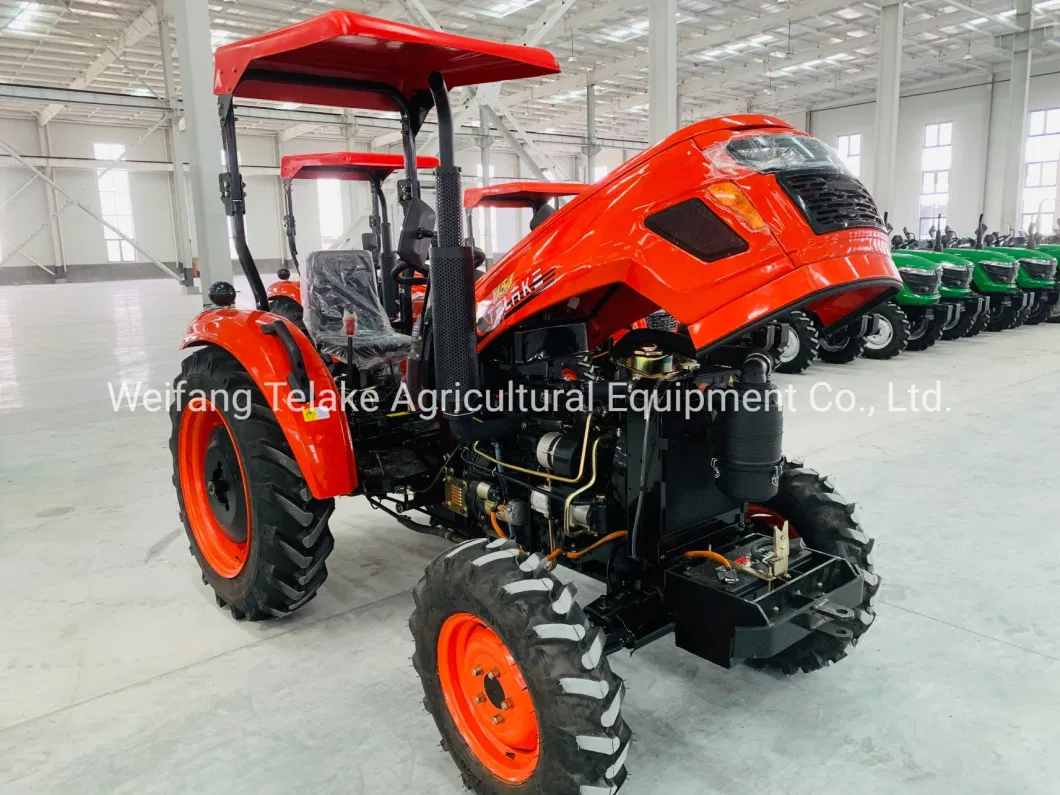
730,196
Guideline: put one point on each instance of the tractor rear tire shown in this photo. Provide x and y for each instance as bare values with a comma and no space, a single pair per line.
547,720
893,335
279,565
289,308
841,347
928,337
804,347
826,523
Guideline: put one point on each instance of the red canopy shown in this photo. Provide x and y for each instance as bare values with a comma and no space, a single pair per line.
308,62
520,194
355,166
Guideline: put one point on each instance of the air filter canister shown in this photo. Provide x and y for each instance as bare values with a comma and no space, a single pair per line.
750,435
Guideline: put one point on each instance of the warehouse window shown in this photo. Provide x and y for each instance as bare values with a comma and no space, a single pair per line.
849,147
115,203
329,198
935,175
1039,175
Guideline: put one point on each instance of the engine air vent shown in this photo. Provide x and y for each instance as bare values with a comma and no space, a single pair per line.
831,200
693,227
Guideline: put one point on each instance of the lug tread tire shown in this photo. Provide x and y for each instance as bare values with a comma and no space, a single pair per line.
828,523
900,325
963,327
559,654
1041,312
809,342
980,324
854,347
292,310
1005,319
289,535
928,339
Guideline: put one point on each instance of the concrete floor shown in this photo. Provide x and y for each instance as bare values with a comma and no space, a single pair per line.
118,674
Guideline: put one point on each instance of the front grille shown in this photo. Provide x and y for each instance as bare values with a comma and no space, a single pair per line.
923,282
830,200
956,277
1000,272
661,321
693,227
1039,270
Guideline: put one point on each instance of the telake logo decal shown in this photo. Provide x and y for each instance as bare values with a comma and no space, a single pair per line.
509,295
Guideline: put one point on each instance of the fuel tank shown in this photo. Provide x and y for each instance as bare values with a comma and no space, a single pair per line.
725,224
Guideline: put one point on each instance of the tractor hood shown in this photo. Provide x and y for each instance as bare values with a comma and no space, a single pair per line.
905,259
724,225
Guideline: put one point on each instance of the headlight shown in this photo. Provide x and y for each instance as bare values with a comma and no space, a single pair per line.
916,271
958,270
768,154
993,263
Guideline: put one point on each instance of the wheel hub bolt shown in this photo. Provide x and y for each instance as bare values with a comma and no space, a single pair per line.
498,719
495,673
211,489
507,704
480,698
476,671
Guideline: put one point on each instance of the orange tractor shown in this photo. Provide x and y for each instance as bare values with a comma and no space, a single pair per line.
285,296
509,421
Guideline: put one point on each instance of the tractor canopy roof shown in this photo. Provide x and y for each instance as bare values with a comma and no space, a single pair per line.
350,60
520,194
354,166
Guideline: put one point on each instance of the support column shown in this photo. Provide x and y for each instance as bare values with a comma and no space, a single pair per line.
352,198
58,253
178,152
662,69
485,142
192,22
591,149
1016,128
885,143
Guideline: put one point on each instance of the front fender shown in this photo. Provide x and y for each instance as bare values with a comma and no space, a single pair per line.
320,439
285,289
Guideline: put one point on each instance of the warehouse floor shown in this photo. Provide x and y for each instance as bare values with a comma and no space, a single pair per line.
120,675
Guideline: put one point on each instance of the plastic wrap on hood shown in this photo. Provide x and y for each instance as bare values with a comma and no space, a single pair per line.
341,302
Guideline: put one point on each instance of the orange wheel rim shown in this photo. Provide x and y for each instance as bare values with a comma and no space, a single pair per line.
772,518
214,488
487,698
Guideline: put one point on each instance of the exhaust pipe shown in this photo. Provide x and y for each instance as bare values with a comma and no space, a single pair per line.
452,292
452,275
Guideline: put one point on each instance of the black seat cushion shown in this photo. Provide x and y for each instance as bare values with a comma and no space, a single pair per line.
342,282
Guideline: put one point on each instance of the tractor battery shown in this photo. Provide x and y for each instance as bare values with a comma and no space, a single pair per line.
725,615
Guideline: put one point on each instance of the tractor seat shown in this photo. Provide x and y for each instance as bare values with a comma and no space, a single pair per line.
336,283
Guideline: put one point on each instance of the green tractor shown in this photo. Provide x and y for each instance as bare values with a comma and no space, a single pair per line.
1037,274
995,277
914,318
956,289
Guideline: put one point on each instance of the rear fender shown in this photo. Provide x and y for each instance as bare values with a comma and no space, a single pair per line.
320,439
285,289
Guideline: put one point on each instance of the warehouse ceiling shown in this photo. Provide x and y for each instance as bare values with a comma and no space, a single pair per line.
770,56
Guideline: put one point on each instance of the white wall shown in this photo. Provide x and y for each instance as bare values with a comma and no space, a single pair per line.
978,145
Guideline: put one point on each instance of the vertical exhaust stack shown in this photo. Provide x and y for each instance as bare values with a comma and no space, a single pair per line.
452,279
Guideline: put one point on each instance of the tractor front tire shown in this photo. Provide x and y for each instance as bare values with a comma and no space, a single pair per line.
841,347
825,522
931,334
256,531
1005,318
803,347
515,677
963,326
892,335
979,324
289,308
1040,311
